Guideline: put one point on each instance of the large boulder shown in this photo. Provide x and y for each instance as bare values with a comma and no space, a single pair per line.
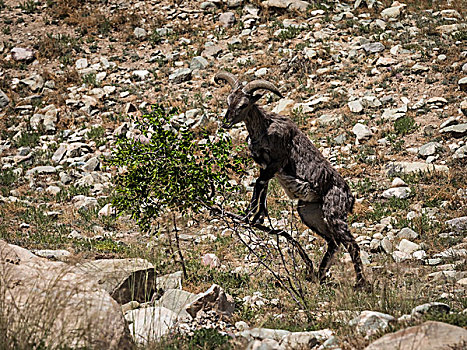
47,303
125,279
427,336
151,323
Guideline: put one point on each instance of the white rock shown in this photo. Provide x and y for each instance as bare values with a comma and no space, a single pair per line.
399,256
261,72
370,322
362,131
355,106
407,233
81,63
392,12
141,74
107,210
407,246
397,192
419,254
398,182
150,324
210,260
283,105
139,33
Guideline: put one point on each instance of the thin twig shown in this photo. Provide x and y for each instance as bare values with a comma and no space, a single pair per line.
241,220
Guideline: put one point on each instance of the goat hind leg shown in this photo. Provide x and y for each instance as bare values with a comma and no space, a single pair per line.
354,251
327,259
311,214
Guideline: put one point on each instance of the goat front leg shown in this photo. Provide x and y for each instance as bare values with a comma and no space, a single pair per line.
258,201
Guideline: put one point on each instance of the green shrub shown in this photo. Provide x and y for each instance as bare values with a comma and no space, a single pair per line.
404,126
169,168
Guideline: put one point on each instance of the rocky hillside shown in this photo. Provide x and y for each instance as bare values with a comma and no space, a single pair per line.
379,87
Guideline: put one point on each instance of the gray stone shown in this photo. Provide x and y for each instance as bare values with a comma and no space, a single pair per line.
305,340
452,253
427,336
419,254
462,84
399,256
211,51
340,139
35,82
398,182
288,4
386,245
456,130
22,54
373,47
419,68
395,168
213,299
60,254
82,202
326,119
206,5
106,210
41,170
265,344
355,106
392,12
4,100
371,322
150,324
53,190
234,3
430,149
59,153
141,74
458,224
261,72
264,333
407,233
65,178
198,62
163,31
371,101
397,192
176,300
431,308
170,281
180,75
81,63
139,33
92,164
463,105
227,19
361,131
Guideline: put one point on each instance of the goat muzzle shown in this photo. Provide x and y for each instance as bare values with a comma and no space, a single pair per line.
227,122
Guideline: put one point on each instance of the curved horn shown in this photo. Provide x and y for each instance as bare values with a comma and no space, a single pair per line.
252,86
228,77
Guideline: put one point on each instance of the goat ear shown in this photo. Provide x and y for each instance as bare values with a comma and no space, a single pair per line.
255,98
